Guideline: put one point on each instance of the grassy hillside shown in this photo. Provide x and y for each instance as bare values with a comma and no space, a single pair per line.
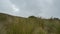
31,25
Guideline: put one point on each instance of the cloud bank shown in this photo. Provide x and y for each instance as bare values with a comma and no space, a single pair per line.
25,8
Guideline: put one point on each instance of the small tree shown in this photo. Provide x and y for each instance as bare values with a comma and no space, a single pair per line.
32,17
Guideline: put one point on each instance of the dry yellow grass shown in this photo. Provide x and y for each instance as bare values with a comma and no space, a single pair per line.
32,25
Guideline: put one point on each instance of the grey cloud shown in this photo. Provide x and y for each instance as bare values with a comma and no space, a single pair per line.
45,8
32,6
5,5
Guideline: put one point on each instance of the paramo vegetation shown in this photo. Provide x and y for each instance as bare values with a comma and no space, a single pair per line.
31,25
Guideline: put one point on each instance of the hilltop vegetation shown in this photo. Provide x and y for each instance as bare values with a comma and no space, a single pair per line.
31,25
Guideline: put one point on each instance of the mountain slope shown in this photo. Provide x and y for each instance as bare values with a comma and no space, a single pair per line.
32,25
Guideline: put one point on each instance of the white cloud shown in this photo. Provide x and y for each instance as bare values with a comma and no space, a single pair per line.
15,9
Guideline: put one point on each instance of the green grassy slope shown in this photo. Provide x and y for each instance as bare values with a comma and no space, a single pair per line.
31,25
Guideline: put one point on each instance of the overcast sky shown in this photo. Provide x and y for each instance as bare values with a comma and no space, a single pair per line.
25,8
